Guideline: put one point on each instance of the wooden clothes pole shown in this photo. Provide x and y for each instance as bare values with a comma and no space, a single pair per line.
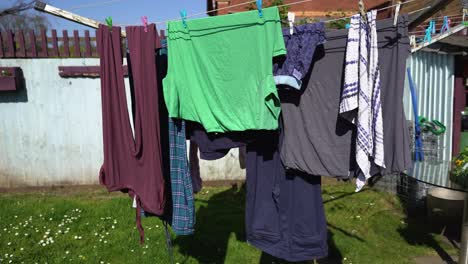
43,7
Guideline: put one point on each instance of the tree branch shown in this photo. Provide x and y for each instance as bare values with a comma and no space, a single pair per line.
17,8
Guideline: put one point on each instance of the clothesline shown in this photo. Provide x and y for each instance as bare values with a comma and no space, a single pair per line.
43,7
228,7
378,10
95,4
289,4
457,17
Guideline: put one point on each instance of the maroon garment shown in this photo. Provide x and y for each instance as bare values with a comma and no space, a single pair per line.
131,164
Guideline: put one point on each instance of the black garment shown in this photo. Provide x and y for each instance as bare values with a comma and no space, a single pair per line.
214,146
284,213
317,140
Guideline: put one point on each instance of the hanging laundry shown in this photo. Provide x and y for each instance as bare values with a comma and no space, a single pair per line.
284,210
183,207
215,146
179,208
195,167
318,140
360,99
300,47
220,71
131,164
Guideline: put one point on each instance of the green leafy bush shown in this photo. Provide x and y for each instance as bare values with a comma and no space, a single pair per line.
459,173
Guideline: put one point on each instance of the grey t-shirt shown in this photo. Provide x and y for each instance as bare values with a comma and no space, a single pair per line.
317,141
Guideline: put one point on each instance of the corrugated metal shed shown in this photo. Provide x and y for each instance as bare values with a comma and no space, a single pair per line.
433,75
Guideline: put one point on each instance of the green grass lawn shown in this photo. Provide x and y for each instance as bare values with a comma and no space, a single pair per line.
89,225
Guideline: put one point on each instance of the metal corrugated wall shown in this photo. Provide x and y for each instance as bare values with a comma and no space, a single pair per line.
433,75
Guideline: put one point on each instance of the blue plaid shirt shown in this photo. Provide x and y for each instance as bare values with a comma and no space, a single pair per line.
183,208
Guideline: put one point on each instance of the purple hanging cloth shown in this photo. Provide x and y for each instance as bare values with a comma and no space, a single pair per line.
132,164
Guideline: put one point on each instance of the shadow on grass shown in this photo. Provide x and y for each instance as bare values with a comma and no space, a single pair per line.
418,229
222,216
217,219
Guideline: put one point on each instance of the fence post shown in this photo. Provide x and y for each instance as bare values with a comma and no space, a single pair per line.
10,45
55,51
44,53
77,52
21,45
95,49
32,41
1,46
66,44
88,51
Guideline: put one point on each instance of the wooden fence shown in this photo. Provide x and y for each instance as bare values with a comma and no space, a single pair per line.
28,45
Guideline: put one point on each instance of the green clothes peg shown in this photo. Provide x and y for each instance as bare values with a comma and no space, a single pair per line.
109,22
435,126
422,120
439,128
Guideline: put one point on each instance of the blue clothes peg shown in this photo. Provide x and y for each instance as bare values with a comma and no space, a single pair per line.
429,30
428,35
109,22
432,25
259,7
347,26
183,15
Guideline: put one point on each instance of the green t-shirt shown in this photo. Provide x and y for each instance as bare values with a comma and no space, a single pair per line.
220,71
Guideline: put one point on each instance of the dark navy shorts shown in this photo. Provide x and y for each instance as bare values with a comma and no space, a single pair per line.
300,48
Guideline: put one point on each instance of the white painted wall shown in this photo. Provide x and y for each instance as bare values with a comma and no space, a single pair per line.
51,133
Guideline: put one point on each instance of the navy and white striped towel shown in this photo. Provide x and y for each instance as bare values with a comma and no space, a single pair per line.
361,92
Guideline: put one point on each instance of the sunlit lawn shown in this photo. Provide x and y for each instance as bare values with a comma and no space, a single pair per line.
88,225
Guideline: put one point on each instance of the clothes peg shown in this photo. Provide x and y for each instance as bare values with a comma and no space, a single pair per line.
347,26
144,20
109,22
259,7
465,13
291,18
362,11
428,36
397,12
429,30
446,25
432,24
413,41
183,15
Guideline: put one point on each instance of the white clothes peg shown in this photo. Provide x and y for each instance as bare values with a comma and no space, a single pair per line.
397,12
413,41
291,18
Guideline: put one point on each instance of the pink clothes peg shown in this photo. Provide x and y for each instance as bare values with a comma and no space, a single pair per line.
144,20
445,25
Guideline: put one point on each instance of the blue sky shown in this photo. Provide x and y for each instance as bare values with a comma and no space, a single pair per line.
122,11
